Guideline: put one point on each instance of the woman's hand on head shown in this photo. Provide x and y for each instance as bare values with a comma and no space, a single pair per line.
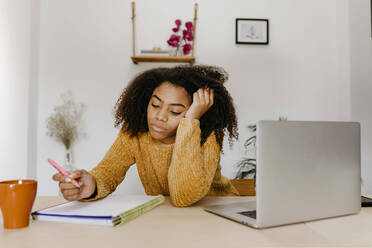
72,193
203,99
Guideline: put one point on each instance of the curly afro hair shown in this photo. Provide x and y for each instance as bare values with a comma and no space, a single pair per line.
131,108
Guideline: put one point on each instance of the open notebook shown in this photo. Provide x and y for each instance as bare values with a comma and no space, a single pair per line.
113,210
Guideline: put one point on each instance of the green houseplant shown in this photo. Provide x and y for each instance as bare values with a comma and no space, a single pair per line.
245,177
246,168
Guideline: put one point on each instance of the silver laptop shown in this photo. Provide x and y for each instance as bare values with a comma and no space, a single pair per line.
305,171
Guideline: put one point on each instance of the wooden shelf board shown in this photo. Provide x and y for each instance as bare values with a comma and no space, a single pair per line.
163,59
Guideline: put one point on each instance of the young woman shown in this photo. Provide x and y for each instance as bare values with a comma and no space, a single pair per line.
173,122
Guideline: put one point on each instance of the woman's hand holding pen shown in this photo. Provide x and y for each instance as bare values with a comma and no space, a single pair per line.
203,99
72,193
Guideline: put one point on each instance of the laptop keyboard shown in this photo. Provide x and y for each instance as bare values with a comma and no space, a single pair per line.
251,214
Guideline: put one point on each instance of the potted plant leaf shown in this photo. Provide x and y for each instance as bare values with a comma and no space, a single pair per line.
245,177
244,180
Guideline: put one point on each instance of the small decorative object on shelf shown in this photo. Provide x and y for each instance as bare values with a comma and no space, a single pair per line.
155,51
181,44
63,126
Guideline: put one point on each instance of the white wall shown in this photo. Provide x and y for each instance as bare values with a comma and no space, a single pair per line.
361,81
15,35
85,46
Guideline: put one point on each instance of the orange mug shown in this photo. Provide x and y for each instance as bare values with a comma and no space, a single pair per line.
16,200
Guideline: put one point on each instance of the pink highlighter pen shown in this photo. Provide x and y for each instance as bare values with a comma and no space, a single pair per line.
62,172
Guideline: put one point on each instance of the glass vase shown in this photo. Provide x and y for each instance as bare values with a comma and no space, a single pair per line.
176,51
68,166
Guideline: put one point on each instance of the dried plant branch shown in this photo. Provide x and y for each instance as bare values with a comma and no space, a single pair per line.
63,124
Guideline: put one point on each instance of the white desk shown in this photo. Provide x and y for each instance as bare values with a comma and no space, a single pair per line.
168,226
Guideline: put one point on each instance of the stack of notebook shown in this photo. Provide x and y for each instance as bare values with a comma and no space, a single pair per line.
113,210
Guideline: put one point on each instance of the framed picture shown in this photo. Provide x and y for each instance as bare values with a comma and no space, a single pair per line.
252,31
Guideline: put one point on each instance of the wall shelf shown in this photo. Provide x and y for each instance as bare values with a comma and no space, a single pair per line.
162,59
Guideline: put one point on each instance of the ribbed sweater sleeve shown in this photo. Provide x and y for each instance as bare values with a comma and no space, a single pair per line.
110,172
193,167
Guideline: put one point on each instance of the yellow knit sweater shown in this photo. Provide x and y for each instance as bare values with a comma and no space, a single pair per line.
184,170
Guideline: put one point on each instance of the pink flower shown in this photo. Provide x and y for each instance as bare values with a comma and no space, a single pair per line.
183,41
186,49
174,40
189,26
175,37
187,35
